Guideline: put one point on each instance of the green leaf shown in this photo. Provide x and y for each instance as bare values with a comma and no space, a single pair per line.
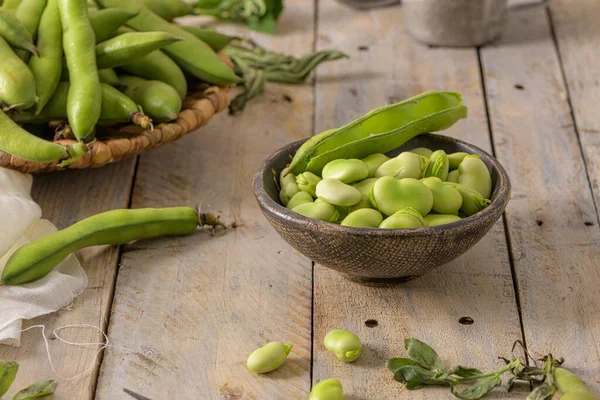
264,24
8,372
542,392
396,363
465,372
478,389
423,354
39,389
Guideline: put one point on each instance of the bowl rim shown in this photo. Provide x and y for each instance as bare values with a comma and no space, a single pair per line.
500,197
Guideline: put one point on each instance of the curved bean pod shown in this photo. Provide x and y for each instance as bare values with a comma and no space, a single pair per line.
158,100
328,389
106,22
217,41
109,76
169,9
36,259
14,32
30,13
17,85
11,4
130,46
571,386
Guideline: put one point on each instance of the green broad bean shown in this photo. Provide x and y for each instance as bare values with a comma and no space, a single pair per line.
14,32
335,192
405,165
363,218
158,100
109,76
318,210
454,159
217,41
474,174
268,358
380,130
364,187
347,171
169,9
343,212
446,199
571,386
307,181
130,46
407,218
438,165
29,13
299,198
193,55
373,162
328,389
17,84
289,188
390,195
452,176
47,67
440,219
85,93
37,258
473,202
363,203
106,22
11,4
344,344
422,151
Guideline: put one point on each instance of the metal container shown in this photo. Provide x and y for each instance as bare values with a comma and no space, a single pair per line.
365,4
455,22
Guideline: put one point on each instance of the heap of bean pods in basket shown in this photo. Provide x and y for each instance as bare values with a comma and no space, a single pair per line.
342,175
75,69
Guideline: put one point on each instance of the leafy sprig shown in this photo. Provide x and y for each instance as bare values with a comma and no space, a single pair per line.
260,15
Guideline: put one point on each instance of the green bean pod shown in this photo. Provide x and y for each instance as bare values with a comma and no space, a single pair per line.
36,259
380,130
11,4
130,46
193,55
20,143
217,41
169,9
571,386
79,44
14,32
17,85
29,13
109,76
47,67
106,22
159,100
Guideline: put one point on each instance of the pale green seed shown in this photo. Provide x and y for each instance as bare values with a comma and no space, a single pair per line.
289,188
337,193
374,161
389,195
438,165
363,203
363,218
329,389
446,199
473,202
268,358
321,211
474,174
364,186
422,151
344,344
299,198
452,176
307,181
455,159
407,218
347,171
406,165
440,219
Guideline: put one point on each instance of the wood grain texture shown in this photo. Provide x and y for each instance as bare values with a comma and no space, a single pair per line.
387,66
65,198
556,254
192,309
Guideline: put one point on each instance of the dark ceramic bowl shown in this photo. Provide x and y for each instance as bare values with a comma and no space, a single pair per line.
380,255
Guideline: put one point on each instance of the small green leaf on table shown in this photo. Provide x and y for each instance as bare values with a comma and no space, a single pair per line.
37,390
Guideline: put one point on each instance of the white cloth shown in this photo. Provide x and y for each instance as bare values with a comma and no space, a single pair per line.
20,223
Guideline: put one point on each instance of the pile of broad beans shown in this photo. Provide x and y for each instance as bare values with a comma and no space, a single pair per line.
416,189
91,64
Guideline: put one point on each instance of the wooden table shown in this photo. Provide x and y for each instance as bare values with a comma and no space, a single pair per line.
191,309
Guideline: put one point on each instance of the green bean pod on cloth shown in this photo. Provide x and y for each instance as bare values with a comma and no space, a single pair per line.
14,32
85,93
17,85
106,22
47,67
20,143
193,55
380,130
116,108
37,258
130,46
159,100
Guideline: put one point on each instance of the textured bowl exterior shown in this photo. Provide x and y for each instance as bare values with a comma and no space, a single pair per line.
380,255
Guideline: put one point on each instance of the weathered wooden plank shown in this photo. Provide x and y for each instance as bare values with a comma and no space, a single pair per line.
66,197
387,66
194,308
551,218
